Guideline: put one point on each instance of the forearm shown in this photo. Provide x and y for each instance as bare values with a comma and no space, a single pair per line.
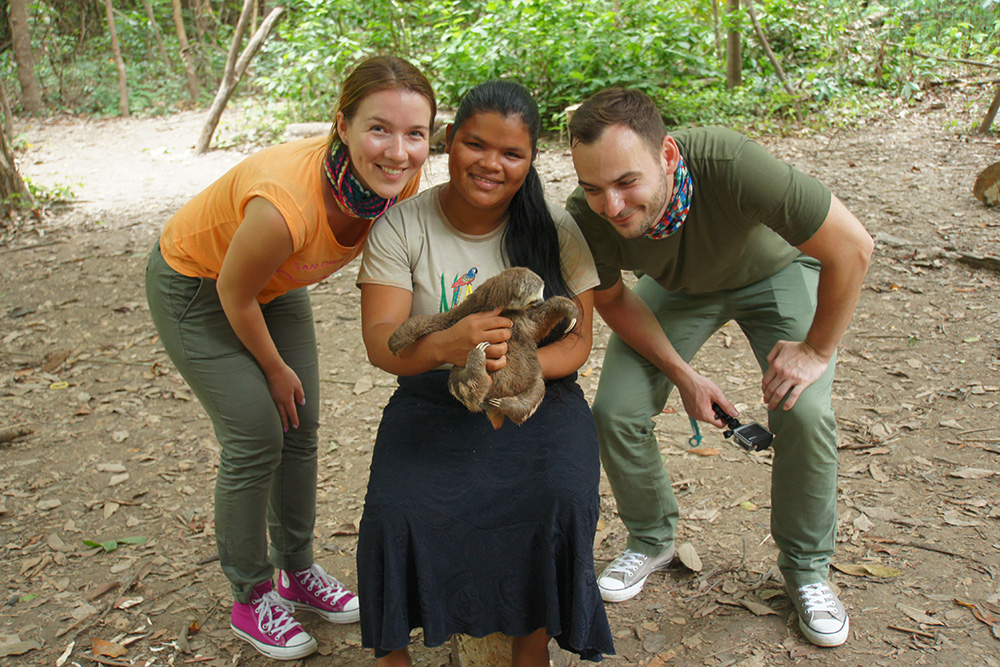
632,320
564,356
423,355
248,324
844,250
836,298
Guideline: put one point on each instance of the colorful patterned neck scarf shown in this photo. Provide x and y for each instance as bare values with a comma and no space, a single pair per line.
679,205
351,195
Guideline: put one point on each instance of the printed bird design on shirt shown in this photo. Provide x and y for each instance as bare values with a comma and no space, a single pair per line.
463,284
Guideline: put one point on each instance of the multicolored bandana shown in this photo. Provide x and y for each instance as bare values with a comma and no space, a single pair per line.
679,205
351,196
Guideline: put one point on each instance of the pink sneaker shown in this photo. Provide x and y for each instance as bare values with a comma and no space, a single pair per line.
266,622
315,590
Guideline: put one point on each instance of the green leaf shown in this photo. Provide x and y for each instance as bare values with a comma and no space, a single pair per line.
108,546
111,545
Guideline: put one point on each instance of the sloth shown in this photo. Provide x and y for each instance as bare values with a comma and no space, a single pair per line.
516,390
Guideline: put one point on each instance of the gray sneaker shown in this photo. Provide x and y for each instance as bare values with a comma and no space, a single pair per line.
624,577
822,617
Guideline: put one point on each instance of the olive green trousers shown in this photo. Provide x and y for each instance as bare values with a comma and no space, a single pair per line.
804,474
266,485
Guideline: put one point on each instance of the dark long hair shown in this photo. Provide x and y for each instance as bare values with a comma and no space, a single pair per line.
530,239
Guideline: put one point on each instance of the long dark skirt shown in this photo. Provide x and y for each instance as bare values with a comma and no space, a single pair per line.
472,530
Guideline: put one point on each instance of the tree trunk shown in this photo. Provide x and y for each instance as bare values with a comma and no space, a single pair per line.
194,86
489,651
235,69
494,650
31,95
13,192
715,28
8,116
116,49
734,51
155,29
984,127
774,61
202,12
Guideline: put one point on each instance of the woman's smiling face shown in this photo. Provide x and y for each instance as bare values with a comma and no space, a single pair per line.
388,139
489,156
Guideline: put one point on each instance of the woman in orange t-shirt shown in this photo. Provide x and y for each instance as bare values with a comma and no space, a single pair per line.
226,290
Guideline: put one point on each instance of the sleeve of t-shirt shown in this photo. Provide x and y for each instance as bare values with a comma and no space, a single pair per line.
577,261
589,223
286,205
386,260
788,201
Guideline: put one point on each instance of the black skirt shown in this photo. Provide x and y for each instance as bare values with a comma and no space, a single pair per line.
472,530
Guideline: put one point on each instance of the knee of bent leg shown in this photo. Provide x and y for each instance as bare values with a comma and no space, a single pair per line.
250,450
617,420
810,423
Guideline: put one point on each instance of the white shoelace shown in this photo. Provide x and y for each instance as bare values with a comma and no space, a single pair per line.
818,597
630,561
274,614
318,581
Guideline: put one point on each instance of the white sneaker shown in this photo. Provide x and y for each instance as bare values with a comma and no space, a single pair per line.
822,617
624,577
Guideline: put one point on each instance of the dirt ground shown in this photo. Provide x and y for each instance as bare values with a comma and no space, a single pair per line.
116,448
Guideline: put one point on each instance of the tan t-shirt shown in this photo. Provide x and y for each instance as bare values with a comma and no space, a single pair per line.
290,176
413,246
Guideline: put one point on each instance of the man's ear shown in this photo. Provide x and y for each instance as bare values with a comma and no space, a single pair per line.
670,153
448,135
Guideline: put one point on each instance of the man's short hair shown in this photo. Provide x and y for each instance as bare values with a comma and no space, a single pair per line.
618,106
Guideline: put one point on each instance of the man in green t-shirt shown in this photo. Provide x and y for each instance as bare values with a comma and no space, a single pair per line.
718,230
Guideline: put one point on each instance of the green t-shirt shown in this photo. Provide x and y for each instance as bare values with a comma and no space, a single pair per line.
748,211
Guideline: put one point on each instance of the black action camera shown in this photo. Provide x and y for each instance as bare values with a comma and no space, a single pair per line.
751,437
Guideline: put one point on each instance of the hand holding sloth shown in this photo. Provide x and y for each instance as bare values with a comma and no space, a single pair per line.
516,390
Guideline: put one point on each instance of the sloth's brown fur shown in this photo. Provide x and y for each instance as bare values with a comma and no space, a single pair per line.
516,390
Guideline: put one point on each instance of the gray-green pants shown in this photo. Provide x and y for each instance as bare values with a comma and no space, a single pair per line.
267,479
804,475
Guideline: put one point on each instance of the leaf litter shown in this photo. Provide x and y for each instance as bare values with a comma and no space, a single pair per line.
916,400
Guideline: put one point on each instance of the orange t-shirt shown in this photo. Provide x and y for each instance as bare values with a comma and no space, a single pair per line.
290,176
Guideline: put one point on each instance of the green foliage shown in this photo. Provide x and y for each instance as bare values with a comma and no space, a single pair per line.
43,196
834,52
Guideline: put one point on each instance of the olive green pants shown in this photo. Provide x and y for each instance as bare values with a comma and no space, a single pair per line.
267,479
804,475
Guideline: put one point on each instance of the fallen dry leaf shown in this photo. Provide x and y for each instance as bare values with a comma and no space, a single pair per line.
688,557
118,479
61,660
18,647
954,518
863,523
757,608
972,473
918,615
704,451
867,569
110,649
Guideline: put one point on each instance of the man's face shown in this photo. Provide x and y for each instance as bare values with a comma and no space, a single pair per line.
626,182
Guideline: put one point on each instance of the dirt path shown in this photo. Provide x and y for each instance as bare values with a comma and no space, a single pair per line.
117,447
